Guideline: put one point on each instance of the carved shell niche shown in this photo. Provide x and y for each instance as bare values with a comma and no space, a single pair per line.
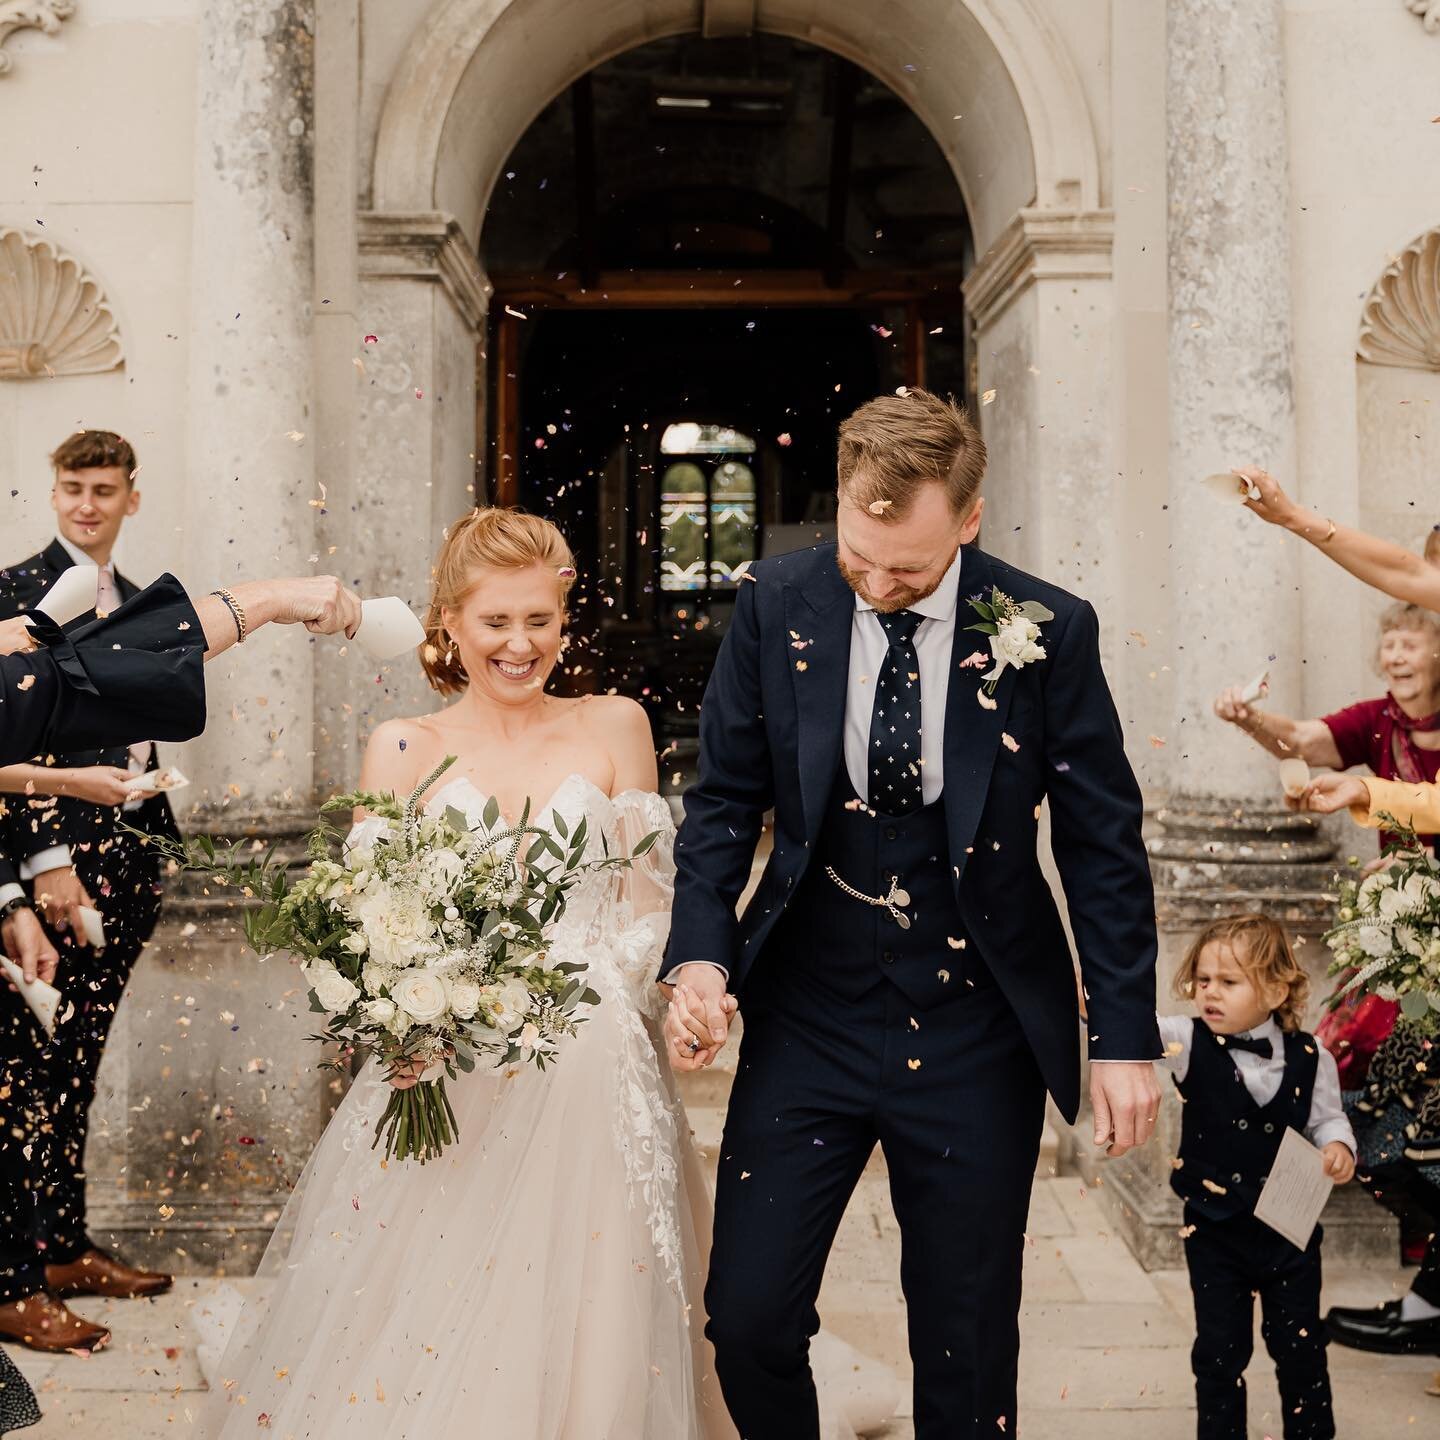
1400,324
54,318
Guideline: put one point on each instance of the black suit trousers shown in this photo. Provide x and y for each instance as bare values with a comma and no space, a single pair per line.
955,1099
52,1081
1231,1261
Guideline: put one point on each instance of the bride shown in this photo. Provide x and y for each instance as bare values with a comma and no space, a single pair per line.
543,1279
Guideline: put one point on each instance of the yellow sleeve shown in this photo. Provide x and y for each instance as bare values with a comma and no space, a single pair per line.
1415,805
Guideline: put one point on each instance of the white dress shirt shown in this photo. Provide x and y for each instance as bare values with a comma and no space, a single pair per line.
1262,1077
934,638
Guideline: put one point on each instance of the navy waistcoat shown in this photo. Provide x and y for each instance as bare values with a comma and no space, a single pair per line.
850,947
1225,1137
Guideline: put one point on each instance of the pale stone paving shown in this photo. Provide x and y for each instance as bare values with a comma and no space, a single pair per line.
1105,1346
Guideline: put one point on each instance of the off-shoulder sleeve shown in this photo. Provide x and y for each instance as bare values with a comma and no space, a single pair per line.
645,892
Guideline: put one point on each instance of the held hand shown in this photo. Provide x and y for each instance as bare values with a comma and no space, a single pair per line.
1273,505
1326,794
1229,706
407,1073
1339,1162
15,636
59,894
27,944
1125,1097
698,1022
99,784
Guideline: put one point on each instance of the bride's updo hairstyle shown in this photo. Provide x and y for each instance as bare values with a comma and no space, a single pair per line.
490,538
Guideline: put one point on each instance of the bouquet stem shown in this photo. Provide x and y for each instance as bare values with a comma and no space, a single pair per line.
418,1123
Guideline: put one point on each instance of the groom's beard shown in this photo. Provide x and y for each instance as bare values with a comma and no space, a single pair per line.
901,599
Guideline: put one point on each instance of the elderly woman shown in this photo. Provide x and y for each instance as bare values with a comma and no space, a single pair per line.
1396,735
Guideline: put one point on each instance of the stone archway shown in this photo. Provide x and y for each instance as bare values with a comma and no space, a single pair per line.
1005,106
481,70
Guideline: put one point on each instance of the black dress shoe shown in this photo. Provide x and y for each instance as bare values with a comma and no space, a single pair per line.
1382,1330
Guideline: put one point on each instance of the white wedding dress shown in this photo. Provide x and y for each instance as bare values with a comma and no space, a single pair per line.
543,1280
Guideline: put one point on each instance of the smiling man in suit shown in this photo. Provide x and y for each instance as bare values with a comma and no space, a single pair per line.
902,968
66,831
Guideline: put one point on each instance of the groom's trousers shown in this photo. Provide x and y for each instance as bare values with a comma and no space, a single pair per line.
954,1098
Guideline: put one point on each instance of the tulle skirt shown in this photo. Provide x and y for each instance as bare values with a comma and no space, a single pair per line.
514,1287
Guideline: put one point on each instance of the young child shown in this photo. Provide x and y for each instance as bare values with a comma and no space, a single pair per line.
1246,1071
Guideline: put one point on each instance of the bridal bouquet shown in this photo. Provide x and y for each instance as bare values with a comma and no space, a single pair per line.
1387,939
424,944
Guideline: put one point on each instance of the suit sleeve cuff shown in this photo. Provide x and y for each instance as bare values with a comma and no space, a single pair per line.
56,857
11,892
668,978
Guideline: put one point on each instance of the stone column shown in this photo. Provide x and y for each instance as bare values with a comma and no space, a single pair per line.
1231,402
209,1097
1223,844
251,493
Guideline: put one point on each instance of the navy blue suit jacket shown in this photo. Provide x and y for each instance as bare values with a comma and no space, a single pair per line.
772,735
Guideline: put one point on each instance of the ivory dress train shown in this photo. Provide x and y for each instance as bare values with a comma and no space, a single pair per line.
543,1280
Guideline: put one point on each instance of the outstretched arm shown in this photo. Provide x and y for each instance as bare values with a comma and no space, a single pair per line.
1096,814
1367,798
1387,567
1284,737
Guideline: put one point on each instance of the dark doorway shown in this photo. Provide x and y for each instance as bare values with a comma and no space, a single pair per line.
706,254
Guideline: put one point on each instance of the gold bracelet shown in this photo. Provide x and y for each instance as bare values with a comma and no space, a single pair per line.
237,614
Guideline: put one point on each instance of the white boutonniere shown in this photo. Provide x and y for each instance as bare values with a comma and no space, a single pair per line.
1014,630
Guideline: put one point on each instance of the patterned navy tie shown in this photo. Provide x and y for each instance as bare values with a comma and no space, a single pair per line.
895,721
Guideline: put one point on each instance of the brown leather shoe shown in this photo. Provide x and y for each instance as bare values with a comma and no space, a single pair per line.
41,1322
98,1273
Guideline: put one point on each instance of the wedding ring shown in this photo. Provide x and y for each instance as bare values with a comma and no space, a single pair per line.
694,1045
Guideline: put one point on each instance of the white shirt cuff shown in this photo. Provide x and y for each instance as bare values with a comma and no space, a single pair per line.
1338,1129
11,892
57,857
669,977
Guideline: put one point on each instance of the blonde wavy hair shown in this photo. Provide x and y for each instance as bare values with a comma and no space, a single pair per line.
1262,951
492,537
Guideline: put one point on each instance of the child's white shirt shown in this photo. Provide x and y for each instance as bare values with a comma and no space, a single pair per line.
1262,1076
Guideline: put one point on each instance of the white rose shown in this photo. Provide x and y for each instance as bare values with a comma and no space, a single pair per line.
380,1012
332,989
443,868
421,995
464,998
356,943
1015,644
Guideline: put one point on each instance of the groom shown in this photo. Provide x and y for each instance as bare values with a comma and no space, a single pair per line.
902,967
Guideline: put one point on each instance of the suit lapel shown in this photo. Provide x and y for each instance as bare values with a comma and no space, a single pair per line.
56,556
818,620
972,729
